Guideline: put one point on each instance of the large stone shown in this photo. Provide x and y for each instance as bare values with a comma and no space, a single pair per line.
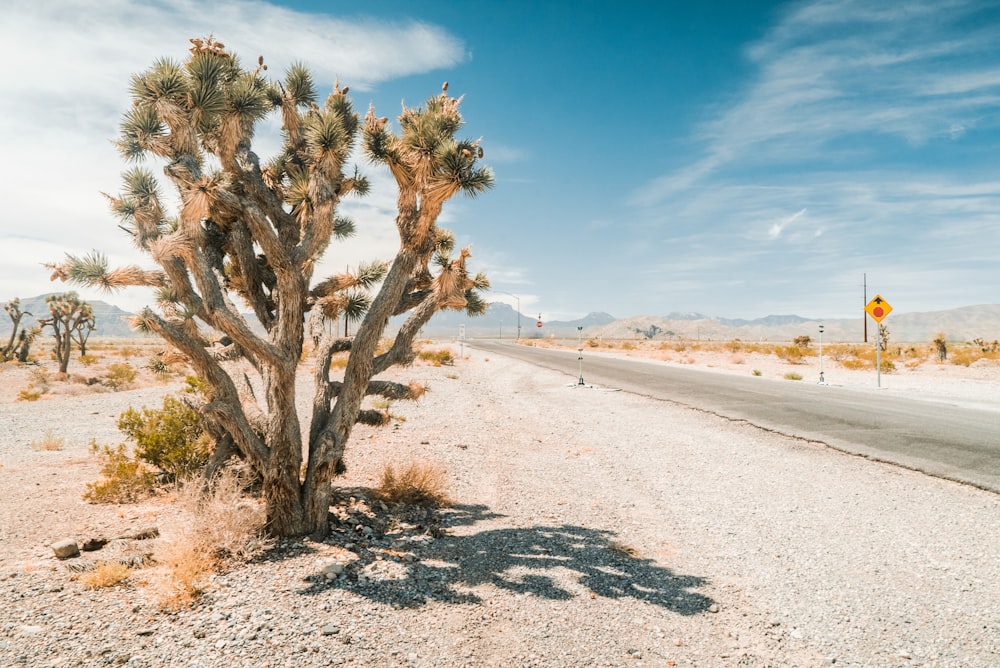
66,548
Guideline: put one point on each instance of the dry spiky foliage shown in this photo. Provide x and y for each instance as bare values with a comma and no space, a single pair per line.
255,232
206,531
105,574
415,484
49,441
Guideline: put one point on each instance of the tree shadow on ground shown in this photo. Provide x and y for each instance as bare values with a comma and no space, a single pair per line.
557,562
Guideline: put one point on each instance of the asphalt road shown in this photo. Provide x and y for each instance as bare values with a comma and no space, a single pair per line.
953,442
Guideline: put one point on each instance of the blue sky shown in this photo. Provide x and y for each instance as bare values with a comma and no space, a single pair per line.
738,159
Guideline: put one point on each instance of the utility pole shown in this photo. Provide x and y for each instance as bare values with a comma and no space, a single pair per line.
518,337
866,302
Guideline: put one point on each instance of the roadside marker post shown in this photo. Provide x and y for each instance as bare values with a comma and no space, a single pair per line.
821,381
579,329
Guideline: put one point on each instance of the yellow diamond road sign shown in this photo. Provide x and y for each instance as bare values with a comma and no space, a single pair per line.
878,308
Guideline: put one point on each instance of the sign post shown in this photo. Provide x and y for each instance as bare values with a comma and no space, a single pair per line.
878,309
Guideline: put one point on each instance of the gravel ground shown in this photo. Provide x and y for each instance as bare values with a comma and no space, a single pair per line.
591,528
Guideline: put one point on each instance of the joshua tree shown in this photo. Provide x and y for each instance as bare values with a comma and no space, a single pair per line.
68,315
18,344
883,337
255,232
941,346
82,332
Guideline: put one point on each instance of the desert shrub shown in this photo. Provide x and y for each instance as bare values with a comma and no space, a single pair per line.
887,366
756,372
437,357
802,341
986,346
49,441
855,364
29,394
40,377
119,376
125,479
735,346
170,438
89,360
417,483
964,356
209,531
196,386
791,375
792,354
628,345
106,574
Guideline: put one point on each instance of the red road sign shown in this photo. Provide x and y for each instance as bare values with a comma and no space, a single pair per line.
538,324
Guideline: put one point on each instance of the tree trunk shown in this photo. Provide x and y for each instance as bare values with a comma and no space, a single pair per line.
282,486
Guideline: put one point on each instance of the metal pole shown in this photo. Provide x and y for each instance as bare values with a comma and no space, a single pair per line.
518,336
580,358
821,381
878,361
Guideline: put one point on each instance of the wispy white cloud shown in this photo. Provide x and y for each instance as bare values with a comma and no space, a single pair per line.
778,227
833,71
60,106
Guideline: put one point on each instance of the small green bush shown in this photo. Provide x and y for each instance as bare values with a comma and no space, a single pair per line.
791,375
119,376
171,438
126,479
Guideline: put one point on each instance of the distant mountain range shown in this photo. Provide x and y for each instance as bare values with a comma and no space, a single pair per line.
502,321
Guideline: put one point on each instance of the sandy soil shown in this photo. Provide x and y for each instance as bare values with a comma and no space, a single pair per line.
590,528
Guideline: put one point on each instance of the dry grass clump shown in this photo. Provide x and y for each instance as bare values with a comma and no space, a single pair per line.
970,354
415,484
49,441
29,394
442,357
623,549
88,360
106,574
206,532
791,375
